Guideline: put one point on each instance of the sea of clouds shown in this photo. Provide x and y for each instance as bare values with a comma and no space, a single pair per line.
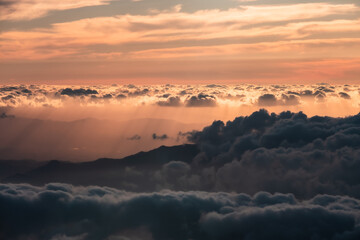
176,95
60,211
263,175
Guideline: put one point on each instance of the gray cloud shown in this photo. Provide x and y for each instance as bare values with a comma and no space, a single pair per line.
180,95
170,102
78,92
135,137
286,152
201,100
159,137
344,95
99,213
268,100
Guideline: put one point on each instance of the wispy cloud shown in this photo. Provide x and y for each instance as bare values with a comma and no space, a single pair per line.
255,27
30,9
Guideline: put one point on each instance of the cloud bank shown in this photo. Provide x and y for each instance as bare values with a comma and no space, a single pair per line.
127,109
179,95
286,153
58,210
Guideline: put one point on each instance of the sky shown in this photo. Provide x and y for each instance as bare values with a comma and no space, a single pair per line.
179,41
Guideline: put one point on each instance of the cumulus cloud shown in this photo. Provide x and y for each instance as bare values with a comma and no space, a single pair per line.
170,102
139,92
344,95
268,100
201,100
288,152
182,95
104,213
77,92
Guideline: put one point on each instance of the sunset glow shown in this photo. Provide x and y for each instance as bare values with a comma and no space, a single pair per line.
126,41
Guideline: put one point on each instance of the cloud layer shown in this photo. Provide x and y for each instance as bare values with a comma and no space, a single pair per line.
59,210
113,114
180,95
286,152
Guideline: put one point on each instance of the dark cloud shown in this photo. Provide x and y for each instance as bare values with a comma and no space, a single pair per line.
215,86
271,100
107,96
78,92
170,102
27,91
8,89
325,89
121,96
289,100
135,137
344,95
100,212
178,95
159,137
8,97
137,93
318,93
288,152
165,95
267,100
307,93
183,92
4,115
201,100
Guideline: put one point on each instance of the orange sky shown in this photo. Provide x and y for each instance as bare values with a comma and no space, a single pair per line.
183,42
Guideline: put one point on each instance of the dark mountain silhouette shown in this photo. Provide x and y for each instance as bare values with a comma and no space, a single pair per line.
285,153
11,167
85,139
127,173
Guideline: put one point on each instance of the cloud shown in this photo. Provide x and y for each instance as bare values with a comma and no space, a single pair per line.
138,92
288,152
159,137
313,99
271,100
344,95
267,100
285,152
301,96
170,102
201,100
99,213
4,115
77,92
135,137
20,10
263,31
